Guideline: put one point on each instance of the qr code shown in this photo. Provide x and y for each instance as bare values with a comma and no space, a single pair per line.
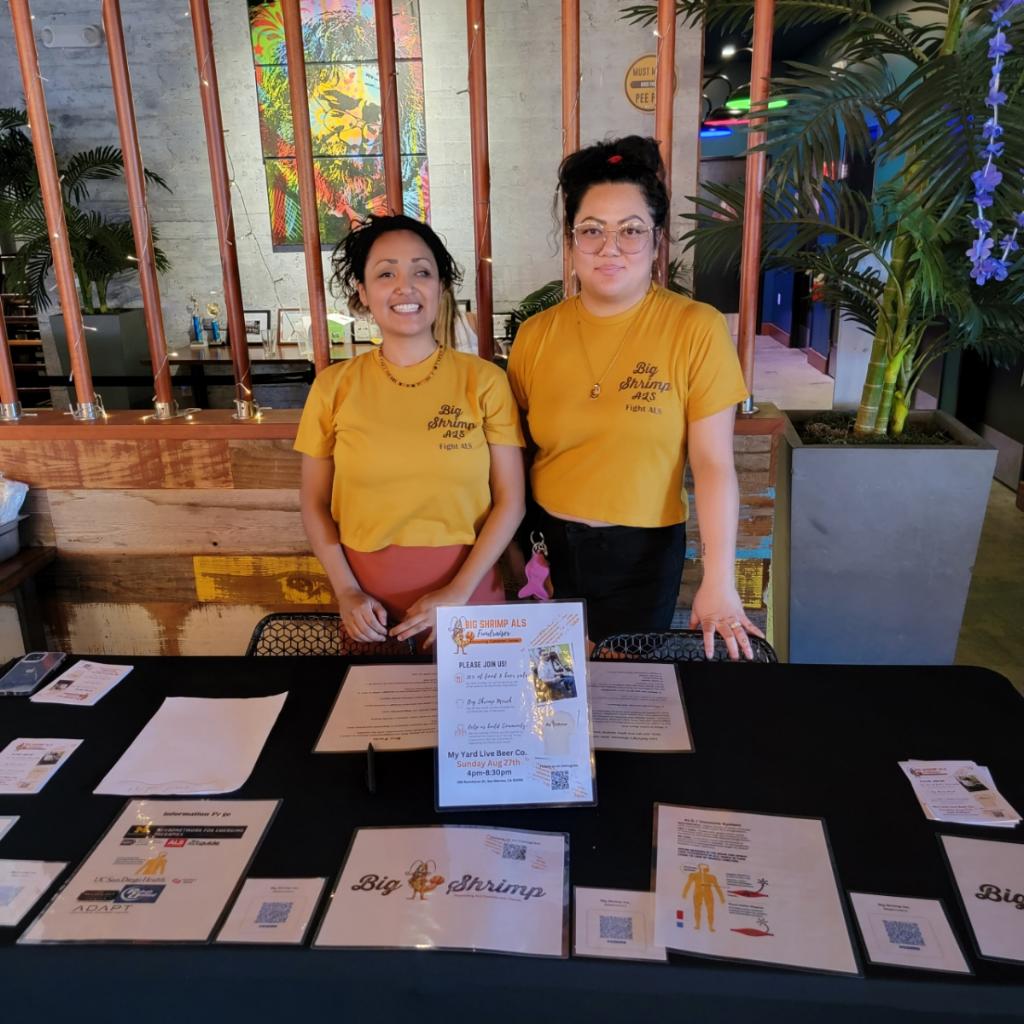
8,893
618,929
273,913
904,933
513,851
560,779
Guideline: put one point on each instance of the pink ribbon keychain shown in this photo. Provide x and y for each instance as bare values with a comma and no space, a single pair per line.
538,572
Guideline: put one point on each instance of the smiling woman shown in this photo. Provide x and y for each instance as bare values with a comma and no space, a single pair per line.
412,473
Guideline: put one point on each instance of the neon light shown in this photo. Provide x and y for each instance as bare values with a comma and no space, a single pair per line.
726,122
743,103
714,133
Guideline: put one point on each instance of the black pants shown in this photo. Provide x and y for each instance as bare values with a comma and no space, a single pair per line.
628,575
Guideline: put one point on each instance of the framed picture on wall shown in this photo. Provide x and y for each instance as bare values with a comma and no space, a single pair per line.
256,322
464,304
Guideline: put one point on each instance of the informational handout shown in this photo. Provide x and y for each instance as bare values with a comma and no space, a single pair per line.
195,745
637,707
513,719
163,872
394,707
22,882
26,765
959,792
749,887
83,684
905,932
273,910
452,887
989,877
7,823
615,923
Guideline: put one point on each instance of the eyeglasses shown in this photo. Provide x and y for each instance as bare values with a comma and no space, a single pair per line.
592,238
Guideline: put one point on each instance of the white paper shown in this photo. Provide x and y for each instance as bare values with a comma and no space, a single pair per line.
7,823
907,932
749,887
26,765
513,720
276,910
637,707
960,792
394,707
22,882
615,923
451,887
162,873
990,878
195,746
82,684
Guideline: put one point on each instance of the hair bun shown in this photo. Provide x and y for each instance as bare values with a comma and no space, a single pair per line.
636,149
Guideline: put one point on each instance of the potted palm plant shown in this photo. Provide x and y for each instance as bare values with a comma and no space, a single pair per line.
102,249
887,508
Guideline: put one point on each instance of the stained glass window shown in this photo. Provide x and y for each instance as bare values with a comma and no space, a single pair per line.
343,79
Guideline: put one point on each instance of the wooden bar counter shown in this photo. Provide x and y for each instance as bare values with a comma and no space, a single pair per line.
177,537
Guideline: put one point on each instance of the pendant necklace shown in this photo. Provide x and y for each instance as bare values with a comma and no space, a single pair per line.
595,391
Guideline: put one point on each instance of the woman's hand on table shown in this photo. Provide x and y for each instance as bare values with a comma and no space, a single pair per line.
421,614
720,610
363,617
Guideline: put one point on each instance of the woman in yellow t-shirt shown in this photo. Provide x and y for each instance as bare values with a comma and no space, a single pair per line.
412,470
619,385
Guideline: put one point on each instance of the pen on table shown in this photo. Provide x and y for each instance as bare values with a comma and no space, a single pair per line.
371,770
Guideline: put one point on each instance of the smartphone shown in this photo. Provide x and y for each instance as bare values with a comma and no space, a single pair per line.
28,674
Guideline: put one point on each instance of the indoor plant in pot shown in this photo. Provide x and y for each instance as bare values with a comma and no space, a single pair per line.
884,527
102,250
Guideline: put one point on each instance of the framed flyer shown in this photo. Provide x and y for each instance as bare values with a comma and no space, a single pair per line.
163,872
513,707
452,887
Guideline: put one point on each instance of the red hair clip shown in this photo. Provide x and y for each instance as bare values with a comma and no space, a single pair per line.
615,158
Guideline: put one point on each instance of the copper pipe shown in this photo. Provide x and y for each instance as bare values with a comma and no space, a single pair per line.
209,94
476,41
750,266
664,99
53,205
390,140
8,386
135,180
570,114
307,183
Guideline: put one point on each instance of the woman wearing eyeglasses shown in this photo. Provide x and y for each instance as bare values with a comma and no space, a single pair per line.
619,386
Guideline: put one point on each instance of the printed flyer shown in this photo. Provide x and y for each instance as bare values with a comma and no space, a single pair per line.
513,711
163,872
749,887
452,887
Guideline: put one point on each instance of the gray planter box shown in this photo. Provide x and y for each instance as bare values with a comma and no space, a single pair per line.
882,545
117,348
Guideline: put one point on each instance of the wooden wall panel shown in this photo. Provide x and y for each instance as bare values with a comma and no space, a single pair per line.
165,521
37,530
264,464
261,579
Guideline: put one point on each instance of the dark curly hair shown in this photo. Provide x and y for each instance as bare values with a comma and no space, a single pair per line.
632,159
348,261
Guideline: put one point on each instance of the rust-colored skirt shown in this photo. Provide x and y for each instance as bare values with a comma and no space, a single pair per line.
399,576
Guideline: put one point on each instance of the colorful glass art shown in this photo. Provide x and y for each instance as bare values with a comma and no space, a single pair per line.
343,80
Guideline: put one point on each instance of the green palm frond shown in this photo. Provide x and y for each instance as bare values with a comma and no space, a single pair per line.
537,301
734,15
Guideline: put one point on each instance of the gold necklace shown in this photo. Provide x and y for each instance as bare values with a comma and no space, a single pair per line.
415,384
595,391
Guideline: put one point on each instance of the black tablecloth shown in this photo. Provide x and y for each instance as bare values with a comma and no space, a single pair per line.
784,739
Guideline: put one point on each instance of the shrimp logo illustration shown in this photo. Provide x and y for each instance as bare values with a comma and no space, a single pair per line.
421,881
704,886
155,865
461,637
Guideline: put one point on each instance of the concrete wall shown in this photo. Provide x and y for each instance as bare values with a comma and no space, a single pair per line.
523,50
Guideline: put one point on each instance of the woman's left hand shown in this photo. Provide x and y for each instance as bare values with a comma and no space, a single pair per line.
720,610
421,614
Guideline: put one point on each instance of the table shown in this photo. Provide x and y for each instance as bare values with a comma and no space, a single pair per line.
788,739
18,574
196,358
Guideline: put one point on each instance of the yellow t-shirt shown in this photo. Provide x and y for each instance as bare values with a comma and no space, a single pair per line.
619,458
411,464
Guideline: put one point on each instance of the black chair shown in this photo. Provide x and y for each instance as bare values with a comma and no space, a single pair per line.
303,633
673,645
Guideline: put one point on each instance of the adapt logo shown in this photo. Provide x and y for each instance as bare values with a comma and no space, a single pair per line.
139,893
